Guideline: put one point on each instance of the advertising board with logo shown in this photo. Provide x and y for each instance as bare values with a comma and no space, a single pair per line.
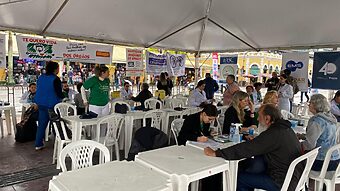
326,73
228,65
297,63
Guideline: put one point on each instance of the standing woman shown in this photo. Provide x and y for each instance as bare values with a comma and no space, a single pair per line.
99,86
48,94
285,93
163,84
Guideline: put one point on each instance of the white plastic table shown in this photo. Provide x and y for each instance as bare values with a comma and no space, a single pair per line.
184,165
117,175
233,164
9,111
77,124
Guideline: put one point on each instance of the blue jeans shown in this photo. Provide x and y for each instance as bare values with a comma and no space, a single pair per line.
43,121
253,175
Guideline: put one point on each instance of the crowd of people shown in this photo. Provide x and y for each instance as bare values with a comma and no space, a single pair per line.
275,146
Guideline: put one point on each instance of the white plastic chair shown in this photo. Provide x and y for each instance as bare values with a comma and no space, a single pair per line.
59,143
157,116
175,103
81,154
286,114
152,103
329,178
221,110
119,102
309,158
64,109
190,111
176,126
114,126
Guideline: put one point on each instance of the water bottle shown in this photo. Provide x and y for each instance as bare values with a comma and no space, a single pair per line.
236,136
232,132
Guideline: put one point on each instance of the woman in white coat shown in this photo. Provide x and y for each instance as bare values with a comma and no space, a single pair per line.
198,95
285,92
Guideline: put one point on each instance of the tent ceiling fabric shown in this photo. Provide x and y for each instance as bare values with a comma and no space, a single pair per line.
264,24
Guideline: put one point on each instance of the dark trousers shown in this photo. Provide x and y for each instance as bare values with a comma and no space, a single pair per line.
333,164
43,121
306,94
252,174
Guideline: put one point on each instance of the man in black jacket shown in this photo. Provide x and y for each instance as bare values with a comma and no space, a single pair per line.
278,146
272,82
211,86
142,96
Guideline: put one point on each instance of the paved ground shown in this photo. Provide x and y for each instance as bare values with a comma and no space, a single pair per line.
16,157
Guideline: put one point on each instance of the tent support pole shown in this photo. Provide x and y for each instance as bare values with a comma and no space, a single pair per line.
11,2
232,34
167,36
197,65
206,17
54,17
10,59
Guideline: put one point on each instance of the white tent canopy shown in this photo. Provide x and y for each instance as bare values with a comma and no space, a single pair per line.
190,25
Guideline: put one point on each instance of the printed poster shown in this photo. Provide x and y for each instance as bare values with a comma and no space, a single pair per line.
156,63
134,58
176,64
50,49
228,65
297,62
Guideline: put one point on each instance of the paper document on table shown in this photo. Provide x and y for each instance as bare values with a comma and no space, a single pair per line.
210,143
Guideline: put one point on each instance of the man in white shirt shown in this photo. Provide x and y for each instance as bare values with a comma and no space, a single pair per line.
125,92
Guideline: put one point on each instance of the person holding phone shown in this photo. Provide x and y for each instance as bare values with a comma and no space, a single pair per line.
241,110
196,127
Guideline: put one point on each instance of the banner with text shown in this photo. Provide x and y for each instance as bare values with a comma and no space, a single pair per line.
326,74
50,49
228,65
297,62
215,65
176,64
2,51
156,63
134,58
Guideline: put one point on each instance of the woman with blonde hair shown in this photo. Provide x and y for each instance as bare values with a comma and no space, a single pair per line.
236,112
271,97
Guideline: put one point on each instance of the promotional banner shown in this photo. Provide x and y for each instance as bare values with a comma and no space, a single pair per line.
228,65
2,51
297,62
134,58
215,65
49,49
176,64
156,63
326,73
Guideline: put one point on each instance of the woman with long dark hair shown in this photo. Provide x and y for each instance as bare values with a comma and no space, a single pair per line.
198,95
48,94
163,84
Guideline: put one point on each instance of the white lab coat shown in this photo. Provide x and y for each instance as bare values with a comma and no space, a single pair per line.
285,93
196,98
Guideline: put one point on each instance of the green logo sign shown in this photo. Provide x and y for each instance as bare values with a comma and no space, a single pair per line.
39,51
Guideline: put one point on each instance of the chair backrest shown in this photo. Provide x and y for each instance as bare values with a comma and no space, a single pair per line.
152,103
64,109
113,105
326,163
176,126
176,103
114,125
81,154
190,111
156,118
309,158
57,133
286,114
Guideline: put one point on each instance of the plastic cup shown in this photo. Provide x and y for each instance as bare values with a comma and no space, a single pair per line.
251,131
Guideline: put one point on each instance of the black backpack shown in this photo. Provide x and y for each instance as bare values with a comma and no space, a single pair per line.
26,130
147,138
55,119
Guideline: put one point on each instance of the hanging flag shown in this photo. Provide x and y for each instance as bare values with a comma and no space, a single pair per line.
156,63
215,65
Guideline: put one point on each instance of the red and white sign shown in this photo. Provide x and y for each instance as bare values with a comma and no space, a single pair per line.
49,49
215,65
134,58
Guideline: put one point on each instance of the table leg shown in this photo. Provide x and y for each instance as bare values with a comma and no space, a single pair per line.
233,173
194,185
8,121
128,134
166,123
14,118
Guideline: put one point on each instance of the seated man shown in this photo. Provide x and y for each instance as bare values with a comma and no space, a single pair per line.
28,96
142,96
274,150
125,92
67,92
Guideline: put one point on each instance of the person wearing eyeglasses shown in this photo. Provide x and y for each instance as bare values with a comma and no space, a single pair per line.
126,92
196,127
